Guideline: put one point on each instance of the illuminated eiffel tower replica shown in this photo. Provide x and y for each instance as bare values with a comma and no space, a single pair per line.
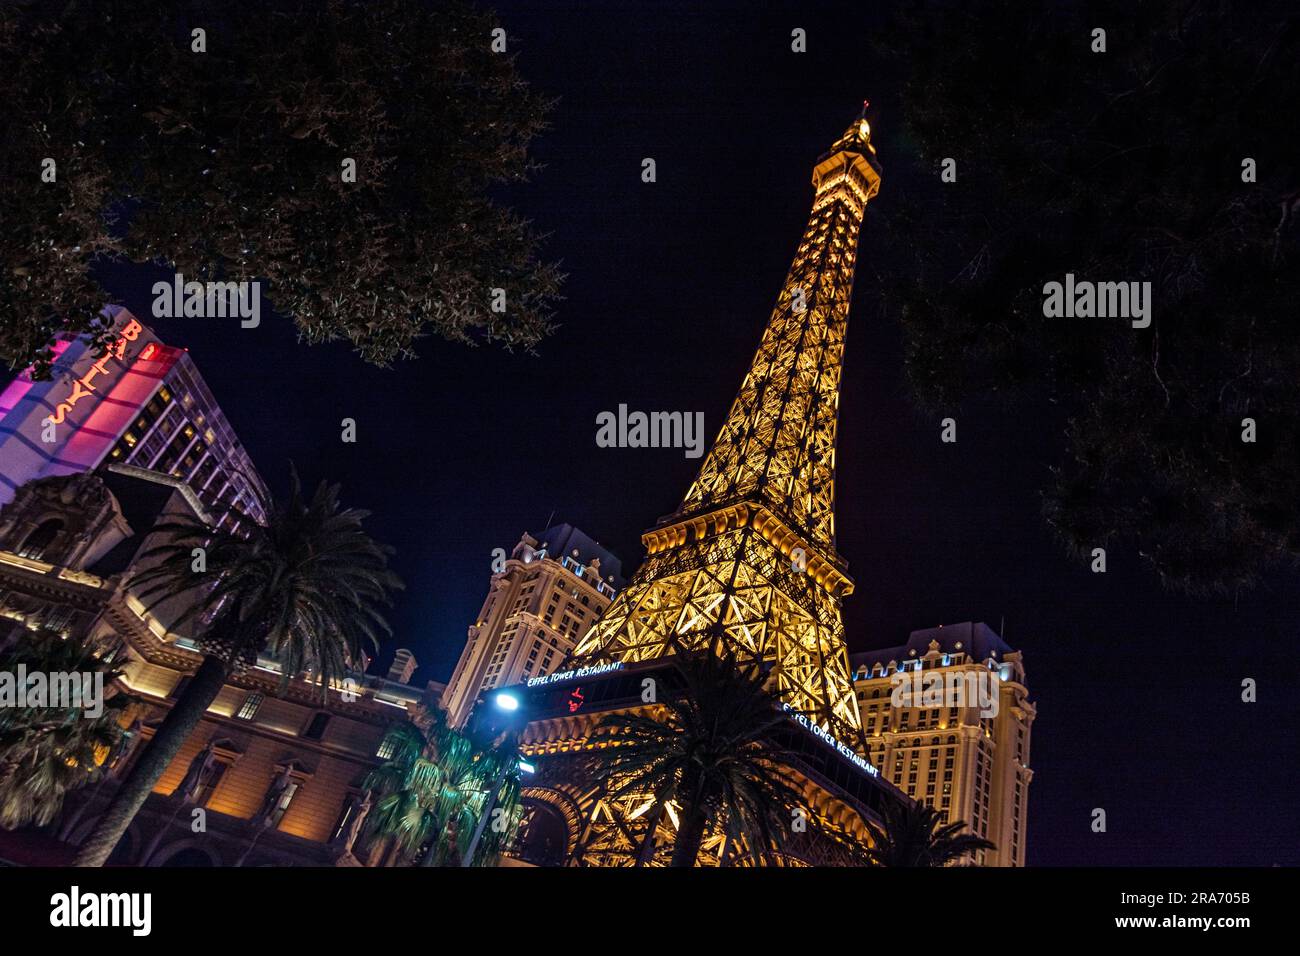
749,557
748,561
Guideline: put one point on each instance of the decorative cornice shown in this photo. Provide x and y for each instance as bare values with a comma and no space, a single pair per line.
154,650
48,582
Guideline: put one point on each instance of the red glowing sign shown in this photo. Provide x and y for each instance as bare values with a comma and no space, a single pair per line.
576,700
148,352
82,386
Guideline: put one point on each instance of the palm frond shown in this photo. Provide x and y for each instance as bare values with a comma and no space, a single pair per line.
715,748
914,835
308,586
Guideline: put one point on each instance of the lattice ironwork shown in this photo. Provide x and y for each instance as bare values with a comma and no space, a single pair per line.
750,554
605,830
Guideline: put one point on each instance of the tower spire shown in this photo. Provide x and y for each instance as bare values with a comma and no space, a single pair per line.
749,558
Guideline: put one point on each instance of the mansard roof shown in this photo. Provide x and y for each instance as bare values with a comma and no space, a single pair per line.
977,640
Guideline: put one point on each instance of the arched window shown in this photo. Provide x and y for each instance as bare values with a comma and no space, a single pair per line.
40,539
543,834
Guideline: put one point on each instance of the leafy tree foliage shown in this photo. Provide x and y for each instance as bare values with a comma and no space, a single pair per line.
229,165
48,751
1123,165
715,752
915,834
434,789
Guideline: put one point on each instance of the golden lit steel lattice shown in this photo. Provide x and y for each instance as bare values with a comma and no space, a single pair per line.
749,556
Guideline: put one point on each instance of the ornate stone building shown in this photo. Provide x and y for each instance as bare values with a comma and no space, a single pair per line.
964,754
275,770
539,604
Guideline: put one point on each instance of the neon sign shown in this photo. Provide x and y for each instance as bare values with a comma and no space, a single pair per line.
82,386
826,736
590,670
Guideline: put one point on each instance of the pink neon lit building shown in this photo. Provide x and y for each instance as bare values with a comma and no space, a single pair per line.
139,403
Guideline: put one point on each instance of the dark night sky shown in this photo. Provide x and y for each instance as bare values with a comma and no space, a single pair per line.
669,286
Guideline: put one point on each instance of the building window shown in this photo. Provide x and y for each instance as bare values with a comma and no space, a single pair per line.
208,786
39,541
316,729
58,619
344,818
249,710
387,747
282,805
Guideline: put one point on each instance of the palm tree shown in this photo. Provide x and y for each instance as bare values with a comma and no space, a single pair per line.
712,750
306,587
434,789
498,807
410,785
914,834
48,751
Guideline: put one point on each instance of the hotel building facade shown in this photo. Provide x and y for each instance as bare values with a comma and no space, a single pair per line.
277,771
138,402
967,761
549,592
90,461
